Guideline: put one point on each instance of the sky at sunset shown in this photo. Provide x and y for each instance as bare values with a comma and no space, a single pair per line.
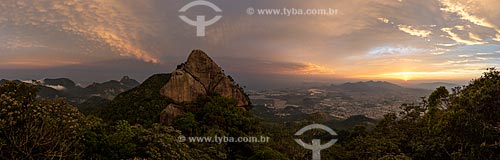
393,40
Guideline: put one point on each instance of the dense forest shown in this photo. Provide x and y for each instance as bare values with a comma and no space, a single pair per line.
461,123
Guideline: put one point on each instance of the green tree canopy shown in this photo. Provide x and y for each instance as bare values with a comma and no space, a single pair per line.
33,128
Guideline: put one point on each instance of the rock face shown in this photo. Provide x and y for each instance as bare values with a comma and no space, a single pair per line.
168,114
201,76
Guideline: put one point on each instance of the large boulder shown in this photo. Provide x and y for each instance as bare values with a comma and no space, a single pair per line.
168,115
201,76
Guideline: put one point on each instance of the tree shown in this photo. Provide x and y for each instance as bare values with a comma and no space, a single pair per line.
436,99
186,123
216,115
160,142
267,153
125,141
33,128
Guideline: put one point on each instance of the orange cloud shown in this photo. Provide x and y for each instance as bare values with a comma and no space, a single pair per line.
36,63
414,32
475,40
107,22
308,68
122,46
456,7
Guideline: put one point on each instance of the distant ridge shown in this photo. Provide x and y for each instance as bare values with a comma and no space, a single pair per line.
434,85
376,87
368,86
67,88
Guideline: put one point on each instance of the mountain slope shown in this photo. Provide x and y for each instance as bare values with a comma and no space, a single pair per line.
141,104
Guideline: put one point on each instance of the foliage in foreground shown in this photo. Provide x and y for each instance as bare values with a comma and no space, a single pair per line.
32,128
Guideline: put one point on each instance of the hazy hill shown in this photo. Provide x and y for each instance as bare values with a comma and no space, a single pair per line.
63,82
375,87
44,91
434,85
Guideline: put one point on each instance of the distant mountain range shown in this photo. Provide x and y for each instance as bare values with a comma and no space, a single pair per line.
377,87
434,85
67,88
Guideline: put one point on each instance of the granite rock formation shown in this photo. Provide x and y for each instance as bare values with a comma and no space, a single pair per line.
168,114
201,76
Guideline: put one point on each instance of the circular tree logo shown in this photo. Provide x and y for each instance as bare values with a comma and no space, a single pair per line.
316,146
200,22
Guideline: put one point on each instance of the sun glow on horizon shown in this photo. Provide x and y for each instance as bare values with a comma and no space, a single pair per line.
406,77
415,75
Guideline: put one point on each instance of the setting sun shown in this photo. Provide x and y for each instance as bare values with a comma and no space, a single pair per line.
406,77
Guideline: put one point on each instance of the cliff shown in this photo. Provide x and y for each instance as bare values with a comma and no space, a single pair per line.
201,76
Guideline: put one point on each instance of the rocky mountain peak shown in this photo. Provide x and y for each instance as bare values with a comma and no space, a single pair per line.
129,82
201,76
200,56
125,78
